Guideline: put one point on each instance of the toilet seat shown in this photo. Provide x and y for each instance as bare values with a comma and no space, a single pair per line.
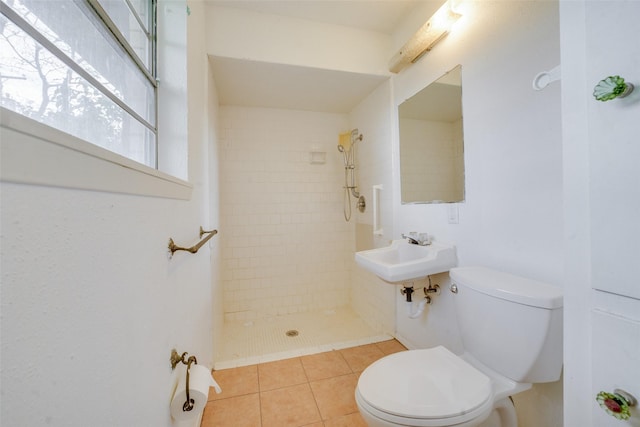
431,387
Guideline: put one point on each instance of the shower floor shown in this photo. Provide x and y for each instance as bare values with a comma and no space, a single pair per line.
265,340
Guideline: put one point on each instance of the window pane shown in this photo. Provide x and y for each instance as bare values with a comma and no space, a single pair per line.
38,85
75,30
142,8
130,28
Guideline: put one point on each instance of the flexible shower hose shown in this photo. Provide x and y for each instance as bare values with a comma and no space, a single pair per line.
347,196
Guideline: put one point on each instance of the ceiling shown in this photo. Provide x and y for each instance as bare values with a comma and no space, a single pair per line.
262,84
374,15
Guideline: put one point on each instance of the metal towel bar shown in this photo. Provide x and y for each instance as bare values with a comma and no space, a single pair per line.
193,249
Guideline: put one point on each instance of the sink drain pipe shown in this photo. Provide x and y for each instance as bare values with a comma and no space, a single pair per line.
414,311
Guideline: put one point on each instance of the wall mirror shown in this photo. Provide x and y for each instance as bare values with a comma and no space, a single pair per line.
431,142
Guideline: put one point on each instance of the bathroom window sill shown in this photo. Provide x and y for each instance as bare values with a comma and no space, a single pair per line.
36,154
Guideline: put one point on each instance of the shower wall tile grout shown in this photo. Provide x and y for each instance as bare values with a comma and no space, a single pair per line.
286,246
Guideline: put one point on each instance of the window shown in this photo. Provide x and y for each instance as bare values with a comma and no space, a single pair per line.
85,67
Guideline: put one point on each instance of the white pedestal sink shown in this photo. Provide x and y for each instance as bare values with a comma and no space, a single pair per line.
402,261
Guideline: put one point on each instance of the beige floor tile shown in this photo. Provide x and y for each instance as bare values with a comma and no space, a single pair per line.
335,396
289,407
351,420
282,373
325,365
309,391
362,356
390,347
235,382
240,411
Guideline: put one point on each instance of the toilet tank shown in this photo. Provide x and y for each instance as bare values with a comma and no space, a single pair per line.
511,324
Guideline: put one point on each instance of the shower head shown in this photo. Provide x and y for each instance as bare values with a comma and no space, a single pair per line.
344,142
345,155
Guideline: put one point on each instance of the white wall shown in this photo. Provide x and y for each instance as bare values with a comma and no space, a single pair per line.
212,124
513,165
91,305
512,215
235,33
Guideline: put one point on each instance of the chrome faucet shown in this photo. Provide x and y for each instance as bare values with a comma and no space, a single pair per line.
420,239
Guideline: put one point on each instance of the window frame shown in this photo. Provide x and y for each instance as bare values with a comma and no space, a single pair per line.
35,153
120,40
27,148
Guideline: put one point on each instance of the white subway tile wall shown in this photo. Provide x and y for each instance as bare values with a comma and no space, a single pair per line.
286,246
372,298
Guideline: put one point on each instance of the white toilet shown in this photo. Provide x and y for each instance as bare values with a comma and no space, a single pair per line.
511,330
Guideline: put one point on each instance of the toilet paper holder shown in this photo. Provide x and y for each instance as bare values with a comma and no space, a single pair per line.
175,359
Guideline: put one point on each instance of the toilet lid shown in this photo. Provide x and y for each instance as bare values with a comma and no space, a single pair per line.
431,383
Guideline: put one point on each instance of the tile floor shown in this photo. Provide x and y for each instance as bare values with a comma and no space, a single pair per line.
315,390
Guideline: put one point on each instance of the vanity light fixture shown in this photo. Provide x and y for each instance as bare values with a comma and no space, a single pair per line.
425,38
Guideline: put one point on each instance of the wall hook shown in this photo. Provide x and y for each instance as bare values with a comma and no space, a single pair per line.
542,79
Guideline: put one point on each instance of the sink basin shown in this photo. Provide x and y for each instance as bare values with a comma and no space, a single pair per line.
402,261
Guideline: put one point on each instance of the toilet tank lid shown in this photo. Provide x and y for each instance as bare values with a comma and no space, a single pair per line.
508,286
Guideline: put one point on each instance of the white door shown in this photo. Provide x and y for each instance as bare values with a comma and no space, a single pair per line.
602,214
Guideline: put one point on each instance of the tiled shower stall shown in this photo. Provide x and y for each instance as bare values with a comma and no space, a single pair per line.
286,245
288,252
